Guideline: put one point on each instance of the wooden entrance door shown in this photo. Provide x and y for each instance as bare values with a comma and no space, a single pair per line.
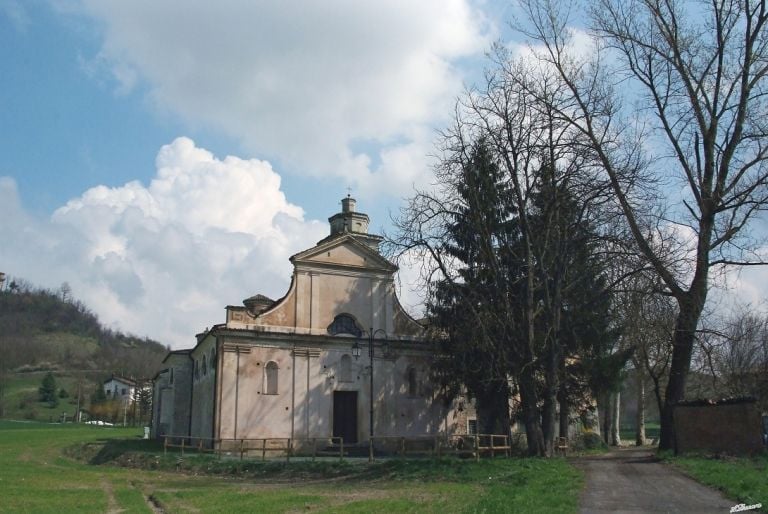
345,415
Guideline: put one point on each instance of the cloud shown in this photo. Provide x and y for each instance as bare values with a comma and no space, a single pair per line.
162,260
300,81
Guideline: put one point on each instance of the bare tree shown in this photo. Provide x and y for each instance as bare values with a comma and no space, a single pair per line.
734,353
548,201
687,79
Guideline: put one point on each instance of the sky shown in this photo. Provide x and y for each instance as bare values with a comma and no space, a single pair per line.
165,159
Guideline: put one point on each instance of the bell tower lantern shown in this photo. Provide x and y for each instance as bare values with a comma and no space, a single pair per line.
348,220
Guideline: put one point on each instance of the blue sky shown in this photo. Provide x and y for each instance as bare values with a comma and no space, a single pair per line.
166,158
131,133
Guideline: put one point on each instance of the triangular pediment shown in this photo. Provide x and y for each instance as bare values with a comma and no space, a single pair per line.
345,251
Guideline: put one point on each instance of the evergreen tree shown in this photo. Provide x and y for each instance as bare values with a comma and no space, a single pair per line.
98,396
464,311
47,390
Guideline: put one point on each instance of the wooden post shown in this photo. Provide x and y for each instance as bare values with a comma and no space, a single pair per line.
182,445
341,449
437,446
165,446
477,448
241,449
402,446
314,448
492,453
263,449
370,449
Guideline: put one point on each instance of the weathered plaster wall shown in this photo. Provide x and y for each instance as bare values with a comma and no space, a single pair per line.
159,404
303,407
182,383
203,387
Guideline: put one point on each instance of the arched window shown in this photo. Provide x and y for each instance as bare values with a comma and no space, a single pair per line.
344,324
413,385
205,366
213,360
345,369
270,379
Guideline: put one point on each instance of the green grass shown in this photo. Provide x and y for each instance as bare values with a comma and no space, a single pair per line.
20,400
37,476
652,430
745,479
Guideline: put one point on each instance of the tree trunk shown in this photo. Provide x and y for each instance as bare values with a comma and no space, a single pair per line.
605,425
549,409
493,410
691,306
640,419
596,423
564,414
530,411
615,421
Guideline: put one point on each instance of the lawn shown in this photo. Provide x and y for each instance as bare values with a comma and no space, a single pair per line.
36,476
652,429
743,478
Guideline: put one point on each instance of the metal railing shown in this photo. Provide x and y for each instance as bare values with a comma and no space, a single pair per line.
474,446
263,446
471,446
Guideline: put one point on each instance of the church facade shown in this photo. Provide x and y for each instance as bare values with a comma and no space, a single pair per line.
336,356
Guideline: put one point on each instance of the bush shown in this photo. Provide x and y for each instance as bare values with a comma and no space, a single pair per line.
63,393
589,441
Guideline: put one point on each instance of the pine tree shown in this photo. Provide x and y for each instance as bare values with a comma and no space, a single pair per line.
465,312
47,390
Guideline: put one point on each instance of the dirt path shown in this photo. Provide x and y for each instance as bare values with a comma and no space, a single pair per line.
632,480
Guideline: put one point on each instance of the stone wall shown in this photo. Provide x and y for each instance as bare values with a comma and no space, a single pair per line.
732,427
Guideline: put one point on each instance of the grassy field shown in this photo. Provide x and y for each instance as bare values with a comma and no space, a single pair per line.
21,400
652,430
742,478
36,476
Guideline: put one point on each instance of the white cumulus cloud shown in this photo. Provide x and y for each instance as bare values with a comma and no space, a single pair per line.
163,260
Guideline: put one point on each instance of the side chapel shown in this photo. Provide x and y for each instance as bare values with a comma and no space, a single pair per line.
301,367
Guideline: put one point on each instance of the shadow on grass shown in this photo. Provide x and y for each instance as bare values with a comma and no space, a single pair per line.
148,454
112,451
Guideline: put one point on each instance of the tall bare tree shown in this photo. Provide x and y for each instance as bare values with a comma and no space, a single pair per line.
671,92
516,311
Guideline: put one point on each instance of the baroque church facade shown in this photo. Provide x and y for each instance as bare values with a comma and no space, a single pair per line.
336,356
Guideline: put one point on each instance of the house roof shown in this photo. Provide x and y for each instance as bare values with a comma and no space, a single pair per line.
177,352
258,298
118,378
373,258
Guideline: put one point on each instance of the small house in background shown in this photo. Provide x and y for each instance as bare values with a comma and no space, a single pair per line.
119,388
732,426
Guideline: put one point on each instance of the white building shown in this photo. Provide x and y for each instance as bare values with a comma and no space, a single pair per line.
300,366
119,388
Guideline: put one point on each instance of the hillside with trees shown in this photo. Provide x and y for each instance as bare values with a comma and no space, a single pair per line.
56,353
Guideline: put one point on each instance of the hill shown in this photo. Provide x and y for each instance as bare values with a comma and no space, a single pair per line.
45,331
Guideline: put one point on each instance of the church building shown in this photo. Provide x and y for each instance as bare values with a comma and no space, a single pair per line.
336,356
